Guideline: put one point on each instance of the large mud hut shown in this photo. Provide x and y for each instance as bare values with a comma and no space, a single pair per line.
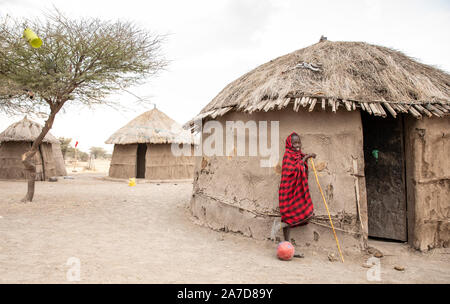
17,139
142,149
378,122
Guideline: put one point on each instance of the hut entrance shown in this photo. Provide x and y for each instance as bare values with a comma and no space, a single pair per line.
384,157
140,160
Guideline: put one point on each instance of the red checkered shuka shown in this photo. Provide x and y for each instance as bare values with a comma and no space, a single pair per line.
295,202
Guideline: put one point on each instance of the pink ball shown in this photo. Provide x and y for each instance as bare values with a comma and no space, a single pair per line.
285,251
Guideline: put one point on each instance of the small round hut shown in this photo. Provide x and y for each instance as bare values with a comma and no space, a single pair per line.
378,122
17,139
143,149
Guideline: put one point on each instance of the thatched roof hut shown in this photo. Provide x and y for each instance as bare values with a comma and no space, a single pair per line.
142,149
378,122
350,75
17,139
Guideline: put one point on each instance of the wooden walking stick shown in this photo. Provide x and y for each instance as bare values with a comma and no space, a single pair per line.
326,206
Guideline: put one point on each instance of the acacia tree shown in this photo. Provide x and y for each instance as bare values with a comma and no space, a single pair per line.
65,144
80,61
97,152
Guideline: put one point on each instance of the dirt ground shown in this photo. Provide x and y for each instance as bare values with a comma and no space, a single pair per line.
96,166
144,234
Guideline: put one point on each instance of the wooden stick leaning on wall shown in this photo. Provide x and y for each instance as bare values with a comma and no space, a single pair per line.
358,197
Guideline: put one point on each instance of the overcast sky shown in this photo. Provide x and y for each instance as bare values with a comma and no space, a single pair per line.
211,43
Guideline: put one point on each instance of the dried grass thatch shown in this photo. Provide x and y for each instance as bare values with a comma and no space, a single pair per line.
153,127
331,74
25,130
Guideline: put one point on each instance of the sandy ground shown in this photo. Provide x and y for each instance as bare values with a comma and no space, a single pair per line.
144,234
97,166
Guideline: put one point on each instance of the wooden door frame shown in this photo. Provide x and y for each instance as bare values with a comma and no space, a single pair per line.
404,163
405,182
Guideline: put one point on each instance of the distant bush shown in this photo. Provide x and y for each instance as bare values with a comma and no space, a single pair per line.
97,152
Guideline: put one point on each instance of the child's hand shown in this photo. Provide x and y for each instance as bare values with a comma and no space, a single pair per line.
313,155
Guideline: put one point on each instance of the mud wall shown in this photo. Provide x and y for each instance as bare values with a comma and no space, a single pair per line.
11,166
428,181
48,161
123,161
161,164
234,193
60,166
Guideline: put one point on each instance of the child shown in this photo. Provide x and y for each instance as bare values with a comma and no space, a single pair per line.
296,207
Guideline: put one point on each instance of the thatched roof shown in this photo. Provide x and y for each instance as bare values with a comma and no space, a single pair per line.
153,127
25,130
342,76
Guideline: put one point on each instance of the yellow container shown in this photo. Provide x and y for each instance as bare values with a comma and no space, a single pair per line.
132,182
32,38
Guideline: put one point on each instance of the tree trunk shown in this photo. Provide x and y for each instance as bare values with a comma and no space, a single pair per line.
30,168
27,158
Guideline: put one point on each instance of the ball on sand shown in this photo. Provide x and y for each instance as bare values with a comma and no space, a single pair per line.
285,251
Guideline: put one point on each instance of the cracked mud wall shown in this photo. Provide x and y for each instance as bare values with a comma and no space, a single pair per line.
234,193
428,182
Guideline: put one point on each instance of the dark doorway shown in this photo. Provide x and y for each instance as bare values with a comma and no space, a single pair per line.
140,161
384,171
